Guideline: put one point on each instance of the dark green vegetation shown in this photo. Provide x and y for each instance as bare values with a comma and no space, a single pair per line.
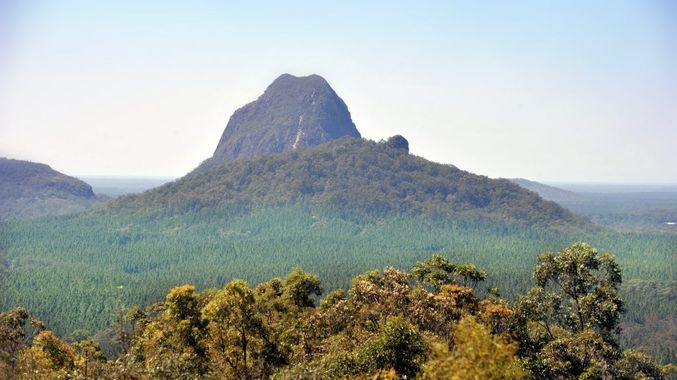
293,113
428,324
29,189
69,270
354,175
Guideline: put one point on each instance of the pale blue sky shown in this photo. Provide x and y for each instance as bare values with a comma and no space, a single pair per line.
558,91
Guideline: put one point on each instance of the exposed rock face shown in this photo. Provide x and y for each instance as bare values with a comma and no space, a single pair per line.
398,142
293,112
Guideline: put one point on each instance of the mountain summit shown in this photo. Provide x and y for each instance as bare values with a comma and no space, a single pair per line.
293,112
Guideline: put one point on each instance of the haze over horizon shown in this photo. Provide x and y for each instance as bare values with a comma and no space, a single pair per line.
568,92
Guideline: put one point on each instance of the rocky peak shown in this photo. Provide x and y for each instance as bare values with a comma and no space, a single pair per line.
293,113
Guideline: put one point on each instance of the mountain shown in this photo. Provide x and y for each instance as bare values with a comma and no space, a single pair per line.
29,189
296,144
357,175
550,193
293,112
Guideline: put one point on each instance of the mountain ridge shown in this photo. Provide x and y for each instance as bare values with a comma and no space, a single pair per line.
352,174
29,189
548,192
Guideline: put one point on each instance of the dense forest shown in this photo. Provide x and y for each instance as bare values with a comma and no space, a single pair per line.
429,323
74,272
375,178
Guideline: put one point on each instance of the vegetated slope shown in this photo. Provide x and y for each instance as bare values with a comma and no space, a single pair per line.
29,189
550,193
356,175
293,112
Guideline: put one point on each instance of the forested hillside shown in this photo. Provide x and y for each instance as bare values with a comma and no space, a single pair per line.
29,189
429,323
357,175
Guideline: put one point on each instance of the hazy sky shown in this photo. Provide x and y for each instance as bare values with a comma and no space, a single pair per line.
559,91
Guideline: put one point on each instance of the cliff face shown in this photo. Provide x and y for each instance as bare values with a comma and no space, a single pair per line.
293,113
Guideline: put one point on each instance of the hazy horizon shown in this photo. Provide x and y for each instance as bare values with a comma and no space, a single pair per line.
557,92
544,181
118,185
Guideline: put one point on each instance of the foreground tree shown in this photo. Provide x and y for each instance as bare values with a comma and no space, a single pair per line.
586,285
17,328
476,354
438,271
300,287
171,345
566,324
238,340
89,360
47,358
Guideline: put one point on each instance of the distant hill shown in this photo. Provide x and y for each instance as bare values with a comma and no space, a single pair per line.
622,210
548,192
29,189
116,186
357,175
293,112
